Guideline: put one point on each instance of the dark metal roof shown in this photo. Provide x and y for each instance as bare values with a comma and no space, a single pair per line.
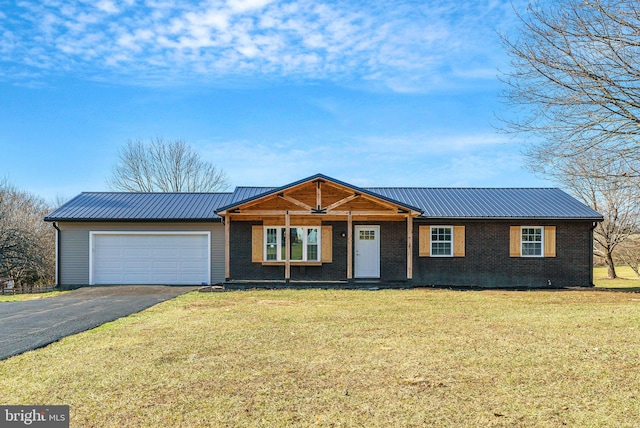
99,206
242,193
466,203
470,203
256,194
494,203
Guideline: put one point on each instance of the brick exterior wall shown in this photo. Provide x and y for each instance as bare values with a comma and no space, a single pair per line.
486,262
393,250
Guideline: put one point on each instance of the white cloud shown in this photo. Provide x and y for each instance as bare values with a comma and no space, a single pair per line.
405,160
246,5
401,45
408,146
107,6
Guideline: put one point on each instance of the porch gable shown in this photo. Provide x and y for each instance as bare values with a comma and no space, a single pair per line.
305,205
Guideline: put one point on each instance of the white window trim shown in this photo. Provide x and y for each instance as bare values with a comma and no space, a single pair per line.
281,257
265,243
541,242
431,241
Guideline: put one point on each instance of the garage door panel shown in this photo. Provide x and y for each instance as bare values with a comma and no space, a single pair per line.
165,253
150,258
194,266
110,252
190,278
165,278
164,266
110,266
134,266
137,252
110,278
136,278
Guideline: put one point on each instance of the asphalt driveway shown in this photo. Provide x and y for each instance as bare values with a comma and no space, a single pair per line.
36,323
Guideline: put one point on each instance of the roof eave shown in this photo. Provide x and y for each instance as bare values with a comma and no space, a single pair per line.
552,218
135,220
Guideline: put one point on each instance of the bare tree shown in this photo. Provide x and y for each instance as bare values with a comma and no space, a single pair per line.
27,243
574,89
59,200
599,183
164,166
629,253
573,85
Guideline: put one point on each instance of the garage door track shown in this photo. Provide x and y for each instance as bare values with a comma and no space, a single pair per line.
36,323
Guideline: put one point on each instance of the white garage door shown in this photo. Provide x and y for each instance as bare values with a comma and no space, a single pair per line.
150,258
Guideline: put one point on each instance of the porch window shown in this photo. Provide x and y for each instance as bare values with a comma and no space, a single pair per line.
304,243
271,242
441,241
312,244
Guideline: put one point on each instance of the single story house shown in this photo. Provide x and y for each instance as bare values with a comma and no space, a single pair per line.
320,231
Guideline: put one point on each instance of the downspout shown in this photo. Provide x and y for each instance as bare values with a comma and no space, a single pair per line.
595,223
55,225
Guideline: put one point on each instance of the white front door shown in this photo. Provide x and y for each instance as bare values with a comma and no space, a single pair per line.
367,248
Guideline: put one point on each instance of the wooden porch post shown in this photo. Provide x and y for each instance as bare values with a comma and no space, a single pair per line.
409,247
318,196
227,256
287,252
349,246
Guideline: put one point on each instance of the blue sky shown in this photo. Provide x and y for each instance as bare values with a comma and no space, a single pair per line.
396,93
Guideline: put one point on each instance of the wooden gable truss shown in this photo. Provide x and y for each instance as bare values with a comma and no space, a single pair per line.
311,202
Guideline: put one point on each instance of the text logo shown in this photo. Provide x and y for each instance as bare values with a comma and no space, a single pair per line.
34,416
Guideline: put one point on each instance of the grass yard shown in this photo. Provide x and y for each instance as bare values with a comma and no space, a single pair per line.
28,296
627,278
349,359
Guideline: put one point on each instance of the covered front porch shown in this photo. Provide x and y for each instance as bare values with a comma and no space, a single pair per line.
318,231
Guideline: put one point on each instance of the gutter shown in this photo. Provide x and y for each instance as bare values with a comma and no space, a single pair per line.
595,224
505,218
134,220
55,226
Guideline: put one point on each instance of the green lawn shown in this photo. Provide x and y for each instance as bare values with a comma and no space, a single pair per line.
348,359
627,278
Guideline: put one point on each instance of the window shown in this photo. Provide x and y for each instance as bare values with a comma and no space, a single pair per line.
531,241
441,241
271,252
304,243
312,244
367,235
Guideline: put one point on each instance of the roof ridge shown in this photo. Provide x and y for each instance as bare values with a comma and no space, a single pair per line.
463,188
